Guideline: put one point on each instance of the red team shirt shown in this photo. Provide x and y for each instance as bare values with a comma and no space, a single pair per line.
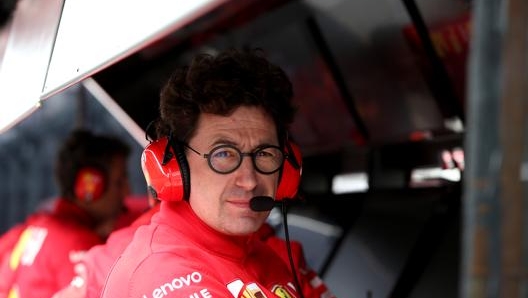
9,239
43,255
187,258
39,256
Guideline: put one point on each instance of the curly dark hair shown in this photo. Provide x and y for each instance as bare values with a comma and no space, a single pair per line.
220,84
85,149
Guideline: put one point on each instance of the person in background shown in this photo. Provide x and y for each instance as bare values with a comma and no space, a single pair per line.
40,254
223,160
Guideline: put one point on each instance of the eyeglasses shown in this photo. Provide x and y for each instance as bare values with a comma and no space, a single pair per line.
225,159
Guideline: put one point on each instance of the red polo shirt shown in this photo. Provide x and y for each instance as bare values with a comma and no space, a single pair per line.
178,255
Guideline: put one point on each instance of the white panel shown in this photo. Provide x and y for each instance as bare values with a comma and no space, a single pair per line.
96,33
28,45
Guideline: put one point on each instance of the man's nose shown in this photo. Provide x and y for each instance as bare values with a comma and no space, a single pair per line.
247,174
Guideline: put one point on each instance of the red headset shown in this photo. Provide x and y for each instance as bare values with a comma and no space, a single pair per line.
90,184
167,172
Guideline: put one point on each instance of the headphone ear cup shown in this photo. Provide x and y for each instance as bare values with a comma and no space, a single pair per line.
166,171
90,184
291,173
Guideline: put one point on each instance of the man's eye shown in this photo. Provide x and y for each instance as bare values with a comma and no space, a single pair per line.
220,154
264,153
224,153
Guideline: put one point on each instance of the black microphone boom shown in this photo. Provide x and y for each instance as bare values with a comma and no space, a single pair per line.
265,203
261,203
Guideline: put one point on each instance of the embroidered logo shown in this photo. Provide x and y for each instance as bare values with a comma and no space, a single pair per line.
282,292
252,290
240,290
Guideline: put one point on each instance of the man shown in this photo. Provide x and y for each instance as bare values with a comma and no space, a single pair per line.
41,252
205,240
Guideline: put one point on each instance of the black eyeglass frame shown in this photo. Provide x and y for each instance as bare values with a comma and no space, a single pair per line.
241,154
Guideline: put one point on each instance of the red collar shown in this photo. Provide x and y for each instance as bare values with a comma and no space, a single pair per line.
180,216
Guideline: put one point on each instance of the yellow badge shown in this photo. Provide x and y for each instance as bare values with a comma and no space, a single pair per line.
282,292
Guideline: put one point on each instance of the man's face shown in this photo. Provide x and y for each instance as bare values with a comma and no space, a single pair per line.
222,200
